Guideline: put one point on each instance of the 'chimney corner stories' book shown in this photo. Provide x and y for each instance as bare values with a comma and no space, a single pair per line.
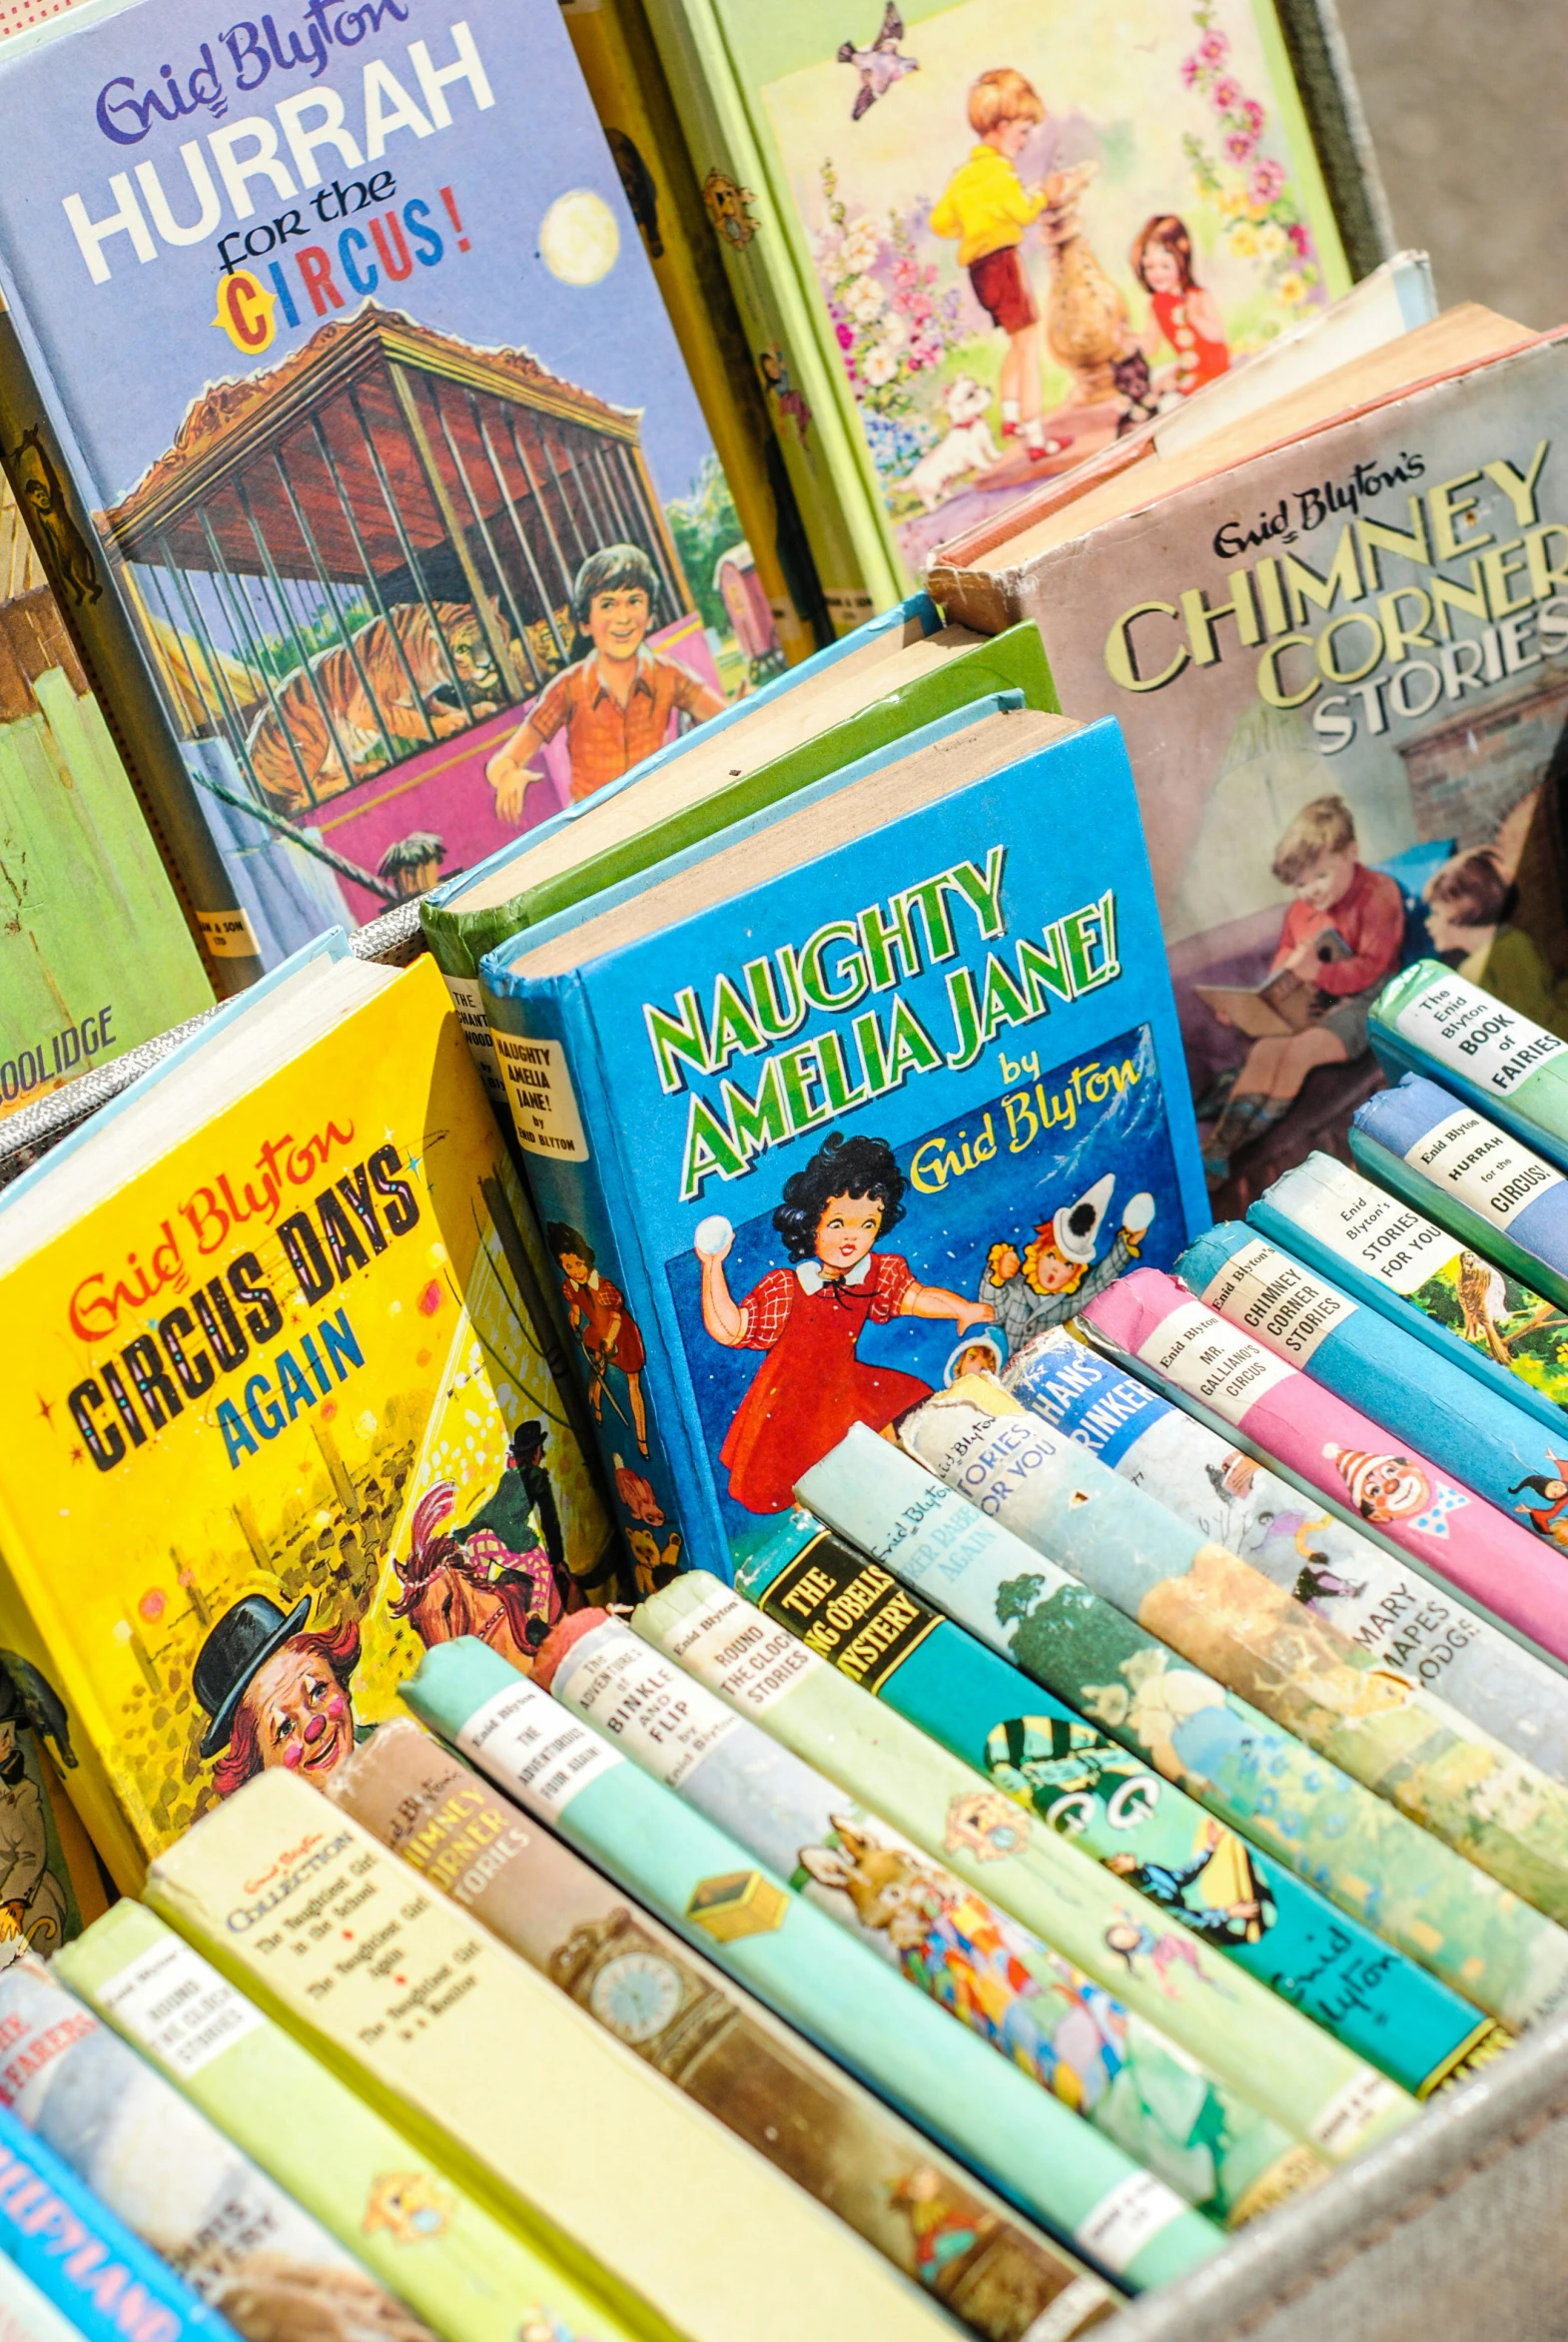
339,393
809,1152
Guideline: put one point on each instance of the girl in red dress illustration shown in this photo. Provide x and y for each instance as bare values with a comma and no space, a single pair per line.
808,1318
1185,315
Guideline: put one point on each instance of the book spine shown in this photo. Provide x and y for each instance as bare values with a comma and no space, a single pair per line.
235,2237
1401,1619
1485,1444
700,1880
632,100
842,524
685,2018
443,2255
1144,1830
33,450
1245,1768
496,2076
1416,1275
1475,1180
1431,1020
971,1956
100,2278
28,2315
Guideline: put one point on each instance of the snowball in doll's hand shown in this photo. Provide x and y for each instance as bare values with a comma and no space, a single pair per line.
714,1235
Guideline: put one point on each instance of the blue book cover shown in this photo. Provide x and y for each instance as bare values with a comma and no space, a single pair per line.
893,1100
386,451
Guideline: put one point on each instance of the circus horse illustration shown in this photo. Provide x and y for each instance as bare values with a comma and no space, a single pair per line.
474,1585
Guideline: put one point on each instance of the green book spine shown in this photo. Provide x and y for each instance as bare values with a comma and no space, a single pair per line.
444,2255
685,2018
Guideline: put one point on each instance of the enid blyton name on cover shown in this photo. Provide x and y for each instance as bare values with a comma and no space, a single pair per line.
877,1047
1471,589
294,200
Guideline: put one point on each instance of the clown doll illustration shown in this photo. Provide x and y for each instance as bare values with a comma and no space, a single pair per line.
809,1318
1057,1276
275,1693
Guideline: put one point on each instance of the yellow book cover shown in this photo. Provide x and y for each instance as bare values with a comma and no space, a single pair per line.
603,2159
282,1419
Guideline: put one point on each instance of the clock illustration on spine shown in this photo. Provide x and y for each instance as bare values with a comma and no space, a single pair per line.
635,1995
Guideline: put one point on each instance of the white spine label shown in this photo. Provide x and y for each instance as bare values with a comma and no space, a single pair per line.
1482,1165
468,1001
1372,1231
1212,1363
178,2006
1264,1291
1123,2222
543,1100
631,1691
728,1645
1351,2112
1463,1027
524,1740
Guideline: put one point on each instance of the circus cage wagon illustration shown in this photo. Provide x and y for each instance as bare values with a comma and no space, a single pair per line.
352,571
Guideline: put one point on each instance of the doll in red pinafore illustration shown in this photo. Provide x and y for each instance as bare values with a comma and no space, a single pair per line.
808,1318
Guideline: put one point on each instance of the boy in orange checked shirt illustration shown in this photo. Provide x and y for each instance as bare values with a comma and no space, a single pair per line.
987,209
617,702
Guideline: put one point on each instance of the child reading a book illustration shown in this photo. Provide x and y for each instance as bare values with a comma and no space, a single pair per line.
616,703
809,1318
1471,905
1056,1276
604,1325
986,208
1341,908
275,1693
1185,316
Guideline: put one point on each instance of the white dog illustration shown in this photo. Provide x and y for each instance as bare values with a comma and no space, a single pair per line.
968,447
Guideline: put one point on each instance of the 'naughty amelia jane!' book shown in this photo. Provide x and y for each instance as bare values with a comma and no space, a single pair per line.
850,1107
282,1417
349,390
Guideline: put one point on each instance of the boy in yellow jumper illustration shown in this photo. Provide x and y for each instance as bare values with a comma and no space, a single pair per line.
987,209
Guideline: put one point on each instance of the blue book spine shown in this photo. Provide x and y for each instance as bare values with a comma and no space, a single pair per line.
85,2260
1490,1446
1476,1179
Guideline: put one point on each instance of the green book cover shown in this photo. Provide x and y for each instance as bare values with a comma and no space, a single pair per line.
427,2240
696,795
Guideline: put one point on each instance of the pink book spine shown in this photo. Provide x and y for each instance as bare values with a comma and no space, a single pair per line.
1447,1532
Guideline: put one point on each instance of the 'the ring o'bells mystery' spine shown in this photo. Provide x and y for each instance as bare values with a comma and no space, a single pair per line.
1158,1842
103,2282
700,1880
1246,1768
1404,1621
428,2241
154,2158
422,2011
681,2014
1431,1020
1211,2142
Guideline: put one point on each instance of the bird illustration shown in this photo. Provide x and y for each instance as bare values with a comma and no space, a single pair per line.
881,65
1481,1297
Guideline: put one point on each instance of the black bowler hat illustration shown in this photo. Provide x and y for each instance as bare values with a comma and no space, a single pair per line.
236,1651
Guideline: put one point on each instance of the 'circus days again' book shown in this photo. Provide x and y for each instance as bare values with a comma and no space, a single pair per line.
287,1414
337,390
848,1105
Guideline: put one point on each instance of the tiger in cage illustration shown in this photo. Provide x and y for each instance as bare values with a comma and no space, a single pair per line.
394,684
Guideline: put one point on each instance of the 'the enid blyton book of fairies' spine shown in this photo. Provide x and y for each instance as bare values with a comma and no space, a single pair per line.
1403,1619
107,2286
428,2241
225,2227
818,456
1490,1446
974,1958
632,97
969,1038
497,2078
703,1882
1155,1329
402,457
1500,1198
1434,1021
1244,1767
714,2041
1430,1283
875,1754
1147,1832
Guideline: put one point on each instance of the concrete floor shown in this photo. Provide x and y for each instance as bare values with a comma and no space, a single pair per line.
1463,100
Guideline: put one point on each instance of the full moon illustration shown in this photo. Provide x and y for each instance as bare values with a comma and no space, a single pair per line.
580,240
